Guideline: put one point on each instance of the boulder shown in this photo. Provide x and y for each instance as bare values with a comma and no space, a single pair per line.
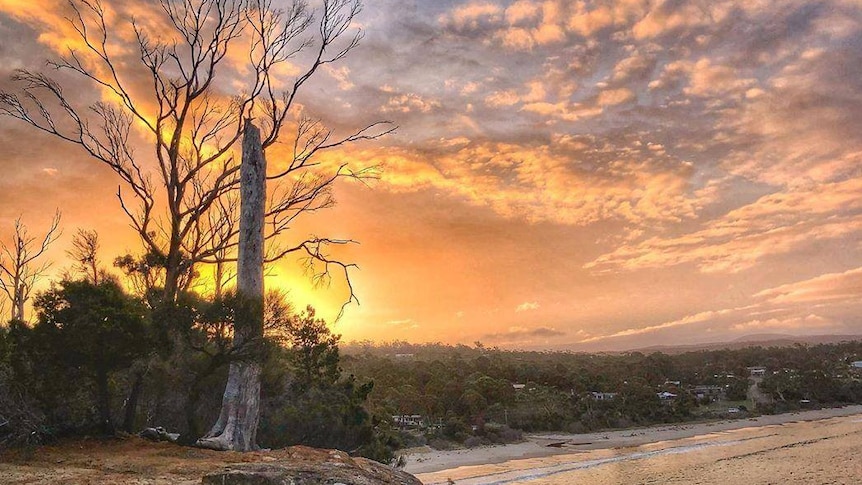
159,434
309,466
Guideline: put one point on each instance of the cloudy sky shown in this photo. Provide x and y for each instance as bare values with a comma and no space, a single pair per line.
590,174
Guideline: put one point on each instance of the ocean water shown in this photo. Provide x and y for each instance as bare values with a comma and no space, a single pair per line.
817,452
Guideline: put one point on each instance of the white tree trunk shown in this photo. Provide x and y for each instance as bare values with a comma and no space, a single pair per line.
18,303
236,428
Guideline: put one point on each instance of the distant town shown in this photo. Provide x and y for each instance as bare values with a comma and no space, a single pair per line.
446,396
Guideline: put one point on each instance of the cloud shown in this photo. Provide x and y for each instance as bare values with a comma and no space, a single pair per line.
405,103
777,223
588,22
710,79
567,183
340,74
825,304
669,17
521,335
657,144
696,318
469,15
672,73
502,98
791,324
406,323
527,306
522,11
563,110
611,97
636,66
843,287
517,38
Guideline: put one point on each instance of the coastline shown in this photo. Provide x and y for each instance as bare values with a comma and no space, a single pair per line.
426,460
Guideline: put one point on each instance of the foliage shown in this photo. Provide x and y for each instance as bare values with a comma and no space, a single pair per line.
308,401
21,421
314,351
737,389
325,416
470,388
94,329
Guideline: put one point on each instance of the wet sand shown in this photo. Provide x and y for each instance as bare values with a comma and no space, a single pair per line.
426,462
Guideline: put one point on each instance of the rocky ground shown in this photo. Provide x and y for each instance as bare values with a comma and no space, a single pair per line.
135,461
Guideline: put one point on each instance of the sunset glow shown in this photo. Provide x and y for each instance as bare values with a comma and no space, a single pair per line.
565,175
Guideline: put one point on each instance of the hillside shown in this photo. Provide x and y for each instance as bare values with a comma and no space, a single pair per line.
758,340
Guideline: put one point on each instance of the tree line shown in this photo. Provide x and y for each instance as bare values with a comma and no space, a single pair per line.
465,388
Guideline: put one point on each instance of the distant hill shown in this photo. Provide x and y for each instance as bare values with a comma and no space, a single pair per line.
756,340
405,350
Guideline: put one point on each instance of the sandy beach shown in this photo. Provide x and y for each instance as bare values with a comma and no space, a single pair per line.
425,460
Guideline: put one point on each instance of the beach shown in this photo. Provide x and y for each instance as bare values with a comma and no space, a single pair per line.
707,443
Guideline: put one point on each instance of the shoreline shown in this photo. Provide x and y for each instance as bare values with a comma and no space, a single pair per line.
425,460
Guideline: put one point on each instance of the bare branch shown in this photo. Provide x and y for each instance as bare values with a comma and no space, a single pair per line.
20,268
180,196
315,249
85,249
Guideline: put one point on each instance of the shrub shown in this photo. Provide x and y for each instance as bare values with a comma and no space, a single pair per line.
407,439
441,444
473,441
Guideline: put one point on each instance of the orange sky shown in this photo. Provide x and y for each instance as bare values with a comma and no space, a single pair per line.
588,175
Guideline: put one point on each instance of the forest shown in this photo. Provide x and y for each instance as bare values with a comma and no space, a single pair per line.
479,395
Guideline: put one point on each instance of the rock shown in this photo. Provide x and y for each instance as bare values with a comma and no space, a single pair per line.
159,434
309,466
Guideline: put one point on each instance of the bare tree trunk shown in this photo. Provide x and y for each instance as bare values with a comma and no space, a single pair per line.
18,305
236,428
219,277
131,407
172,276
104,402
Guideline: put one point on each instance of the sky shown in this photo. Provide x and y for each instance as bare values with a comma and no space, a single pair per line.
592,175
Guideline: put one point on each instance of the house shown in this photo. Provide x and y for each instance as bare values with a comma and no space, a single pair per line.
603,396
666,396
518,387
856,364
713,393
756,371
408,420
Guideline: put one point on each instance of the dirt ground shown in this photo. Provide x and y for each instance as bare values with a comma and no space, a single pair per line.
129,461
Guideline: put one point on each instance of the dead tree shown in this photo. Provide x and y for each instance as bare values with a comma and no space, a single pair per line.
236,427
193,129
85,248
195,133
215,235
21,264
